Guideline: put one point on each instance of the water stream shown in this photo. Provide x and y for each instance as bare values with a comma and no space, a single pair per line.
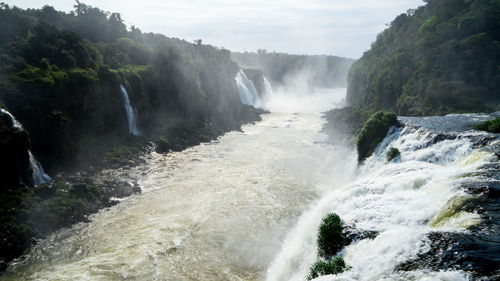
248,205
39,176
131,113
217,211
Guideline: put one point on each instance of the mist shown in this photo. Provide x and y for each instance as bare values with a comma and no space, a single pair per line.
143,156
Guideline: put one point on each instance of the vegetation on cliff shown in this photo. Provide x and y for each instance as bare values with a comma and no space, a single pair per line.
373,132
34,212
60,75
492,126
441,58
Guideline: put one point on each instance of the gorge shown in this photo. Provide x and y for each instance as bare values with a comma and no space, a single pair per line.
161,159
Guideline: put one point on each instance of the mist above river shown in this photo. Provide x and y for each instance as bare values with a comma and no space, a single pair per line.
217,211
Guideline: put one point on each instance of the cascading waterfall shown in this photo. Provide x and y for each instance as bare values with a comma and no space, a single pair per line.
39,176
406,201
15,123
268,89
131,113
247,91
248,207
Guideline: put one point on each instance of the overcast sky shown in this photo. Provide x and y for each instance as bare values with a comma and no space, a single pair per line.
334,27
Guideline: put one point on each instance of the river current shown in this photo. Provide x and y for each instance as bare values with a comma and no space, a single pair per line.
248,205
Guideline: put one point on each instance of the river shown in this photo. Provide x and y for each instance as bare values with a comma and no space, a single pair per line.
248,205
217,211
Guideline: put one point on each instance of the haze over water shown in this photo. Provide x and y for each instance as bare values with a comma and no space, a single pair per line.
217,211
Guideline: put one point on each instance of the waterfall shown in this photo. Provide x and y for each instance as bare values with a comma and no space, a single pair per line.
268,90
131,113
247,91
39,176
15,123
405,201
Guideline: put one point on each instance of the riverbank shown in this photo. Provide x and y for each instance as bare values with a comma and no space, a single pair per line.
28,214
193,219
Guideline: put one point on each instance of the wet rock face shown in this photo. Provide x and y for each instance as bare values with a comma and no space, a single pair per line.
14,146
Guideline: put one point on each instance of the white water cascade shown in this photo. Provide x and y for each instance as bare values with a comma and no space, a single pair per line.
39,176
248,205
131,113
402,201
247,91
268,89
15,123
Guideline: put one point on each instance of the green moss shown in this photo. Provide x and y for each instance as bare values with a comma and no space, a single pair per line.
132,69
334,266
330,237
35,212
392,153
492,126
83,74
49,76
121,153
373,132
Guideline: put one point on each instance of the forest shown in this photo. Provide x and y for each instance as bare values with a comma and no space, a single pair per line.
441,58
60,75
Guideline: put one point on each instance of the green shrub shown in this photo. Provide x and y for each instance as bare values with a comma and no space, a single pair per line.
330,237
392,153
373,132
162,144
334,266
492,126
121,153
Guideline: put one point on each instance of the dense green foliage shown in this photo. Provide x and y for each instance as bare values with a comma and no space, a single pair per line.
34,212
320,71
334,266
392,153
492,126
373,132
330,241
60,75
330,237
441,58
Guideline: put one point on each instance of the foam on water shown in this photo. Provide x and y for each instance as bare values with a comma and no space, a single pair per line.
217,211
397,200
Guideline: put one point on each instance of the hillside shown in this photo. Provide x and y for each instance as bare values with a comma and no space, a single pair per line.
61,75
82,93
441,58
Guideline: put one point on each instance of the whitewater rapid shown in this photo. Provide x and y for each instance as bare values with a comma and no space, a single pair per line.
248,205
217,211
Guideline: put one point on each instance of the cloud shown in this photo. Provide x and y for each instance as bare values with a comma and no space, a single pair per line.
337,27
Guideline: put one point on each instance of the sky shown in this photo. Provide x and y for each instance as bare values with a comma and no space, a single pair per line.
332,27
